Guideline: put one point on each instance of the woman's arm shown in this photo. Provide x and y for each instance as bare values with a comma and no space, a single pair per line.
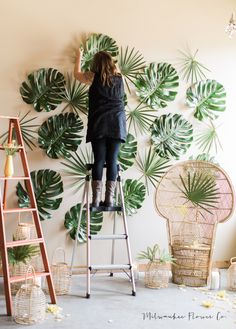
84,77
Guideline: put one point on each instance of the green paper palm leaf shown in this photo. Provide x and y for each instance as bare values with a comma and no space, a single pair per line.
134,195
157,85
208,139
204,157
71,223
130,63
44,89
76,96
77,169
172,135
200,189
140,119
47,185
27,130
152,167
94,44
59,135
127,153
191,69
207,98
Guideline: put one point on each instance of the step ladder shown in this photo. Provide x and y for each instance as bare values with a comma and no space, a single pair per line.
14,127
85,205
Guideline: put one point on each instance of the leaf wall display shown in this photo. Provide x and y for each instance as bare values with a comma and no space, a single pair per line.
94,43
134,196
59,135
152,87
172,135
71,223
208,98
127,153
43,89
157,85
47,185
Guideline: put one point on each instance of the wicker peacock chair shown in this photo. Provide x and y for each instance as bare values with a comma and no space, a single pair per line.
194,196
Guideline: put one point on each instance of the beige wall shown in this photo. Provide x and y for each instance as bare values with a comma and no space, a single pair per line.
37,34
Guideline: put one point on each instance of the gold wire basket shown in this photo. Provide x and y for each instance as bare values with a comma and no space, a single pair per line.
61,274
24,230
156,275
30,302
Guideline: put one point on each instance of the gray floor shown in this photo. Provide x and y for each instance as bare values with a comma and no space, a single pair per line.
112,306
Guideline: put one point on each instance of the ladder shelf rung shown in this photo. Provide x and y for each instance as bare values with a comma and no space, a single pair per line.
13,210
108,236
17,147
110,267
23,242
15,178
29,276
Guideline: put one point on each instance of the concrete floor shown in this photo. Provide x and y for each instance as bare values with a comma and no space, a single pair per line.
112,306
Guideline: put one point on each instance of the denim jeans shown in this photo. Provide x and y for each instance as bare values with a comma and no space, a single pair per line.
105,150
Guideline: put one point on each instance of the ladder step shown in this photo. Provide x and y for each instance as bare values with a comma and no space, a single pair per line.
102,208
18,147
29,276
13,210
15,178
108,237
110,267
23,242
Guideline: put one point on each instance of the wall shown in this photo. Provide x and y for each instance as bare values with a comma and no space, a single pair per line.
42,34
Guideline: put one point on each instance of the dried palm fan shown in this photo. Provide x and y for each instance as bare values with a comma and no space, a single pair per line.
194,196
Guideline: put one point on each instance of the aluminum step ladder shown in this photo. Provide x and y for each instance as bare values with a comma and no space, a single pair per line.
85,205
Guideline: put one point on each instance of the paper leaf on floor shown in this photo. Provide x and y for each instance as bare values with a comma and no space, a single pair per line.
53,308
221,294
207,303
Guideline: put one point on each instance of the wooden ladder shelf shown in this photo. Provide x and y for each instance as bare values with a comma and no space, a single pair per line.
4,245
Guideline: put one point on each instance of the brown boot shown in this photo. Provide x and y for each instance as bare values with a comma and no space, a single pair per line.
97,193
109,194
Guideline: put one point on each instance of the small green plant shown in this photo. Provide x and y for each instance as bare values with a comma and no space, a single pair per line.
156,254
10,148
22,253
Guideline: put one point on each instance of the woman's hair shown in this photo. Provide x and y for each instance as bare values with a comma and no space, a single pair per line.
104,65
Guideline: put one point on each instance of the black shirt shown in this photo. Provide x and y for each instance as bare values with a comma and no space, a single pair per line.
106,116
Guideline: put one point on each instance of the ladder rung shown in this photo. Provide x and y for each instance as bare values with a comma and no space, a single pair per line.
23,242
102,208
107,236
29,276
17,147
110,267
13,210
15,178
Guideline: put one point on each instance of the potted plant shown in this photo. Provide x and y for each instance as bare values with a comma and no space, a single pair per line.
10,149
19,259
157,271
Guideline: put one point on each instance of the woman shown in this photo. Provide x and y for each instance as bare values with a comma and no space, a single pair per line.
106,121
